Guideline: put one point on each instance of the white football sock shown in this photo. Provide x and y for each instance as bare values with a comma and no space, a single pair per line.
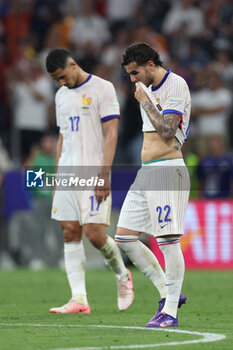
174,272
113,259
143,258
75,265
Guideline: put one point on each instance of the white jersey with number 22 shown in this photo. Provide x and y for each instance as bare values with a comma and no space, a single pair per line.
172,96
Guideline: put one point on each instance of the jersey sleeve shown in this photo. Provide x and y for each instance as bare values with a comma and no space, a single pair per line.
176,98
109,105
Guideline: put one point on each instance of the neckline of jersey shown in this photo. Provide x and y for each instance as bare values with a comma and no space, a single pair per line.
153,88
88,78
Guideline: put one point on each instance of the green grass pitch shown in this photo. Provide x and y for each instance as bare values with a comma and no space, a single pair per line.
26,296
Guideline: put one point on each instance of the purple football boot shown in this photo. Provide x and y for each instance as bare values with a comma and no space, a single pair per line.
182,300
163,320
161,302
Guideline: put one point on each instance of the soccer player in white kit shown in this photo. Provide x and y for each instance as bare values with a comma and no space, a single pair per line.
87,113
156,202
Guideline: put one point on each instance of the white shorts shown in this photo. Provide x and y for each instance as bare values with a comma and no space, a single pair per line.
81,206
157,200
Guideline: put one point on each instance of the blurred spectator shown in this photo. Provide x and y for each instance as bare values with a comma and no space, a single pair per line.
63,28
31,95
185,18
144,32
26,50
184,21
219,16
130,140
44,14
191,160
17,21
111,56
71,7
196,57
4,7
3,107
193,37
44,157
121,11
51,41
215,171
34,239
211,108
57,36
5,165
89,33
155,11
183,71
5,161
224,66
48,245
187,34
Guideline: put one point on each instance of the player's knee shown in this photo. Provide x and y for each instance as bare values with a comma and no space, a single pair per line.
95,235
72,231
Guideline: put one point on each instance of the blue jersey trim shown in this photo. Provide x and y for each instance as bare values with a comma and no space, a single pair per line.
108,117
187,132
154,88
88,78
166,111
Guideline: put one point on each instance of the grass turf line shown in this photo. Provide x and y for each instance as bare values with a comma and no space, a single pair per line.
26,296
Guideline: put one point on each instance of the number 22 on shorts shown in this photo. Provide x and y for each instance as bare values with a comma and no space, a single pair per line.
163,213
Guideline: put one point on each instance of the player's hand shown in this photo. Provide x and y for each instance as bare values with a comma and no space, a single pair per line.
140,95
102,192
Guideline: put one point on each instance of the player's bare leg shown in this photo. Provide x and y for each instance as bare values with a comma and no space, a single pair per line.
111,253
75,262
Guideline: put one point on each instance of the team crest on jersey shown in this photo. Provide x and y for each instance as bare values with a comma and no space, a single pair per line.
158,104
86,101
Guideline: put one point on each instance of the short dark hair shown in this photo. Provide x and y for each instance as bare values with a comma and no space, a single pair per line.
57,58
140,53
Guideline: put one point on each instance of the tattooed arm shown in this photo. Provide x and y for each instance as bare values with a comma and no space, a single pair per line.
165,125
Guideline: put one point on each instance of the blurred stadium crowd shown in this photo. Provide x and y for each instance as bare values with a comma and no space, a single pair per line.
194,39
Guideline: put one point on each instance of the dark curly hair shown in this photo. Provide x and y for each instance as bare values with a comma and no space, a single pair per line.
140,53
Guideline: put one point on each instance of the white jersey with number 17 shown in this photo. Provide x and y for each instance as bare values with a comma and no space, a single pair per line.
80,112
